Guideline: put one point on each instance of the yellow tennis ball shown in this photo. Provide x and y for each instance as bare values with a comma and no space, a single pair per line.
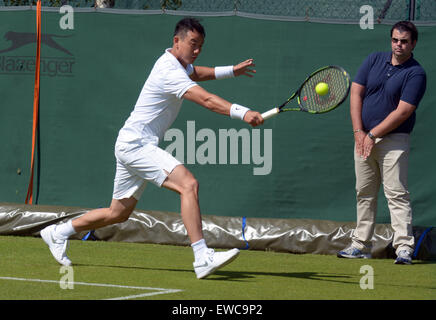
322,88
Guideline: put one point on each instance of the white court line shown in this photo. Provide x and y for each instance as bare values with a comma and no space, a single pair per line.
159,290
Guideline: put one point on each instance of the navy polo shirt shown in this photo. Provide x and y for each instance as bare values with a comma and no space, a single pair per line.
385,85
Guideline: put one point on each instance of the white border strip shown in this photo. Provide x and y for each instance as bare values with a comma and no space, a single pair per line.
159,290
211,14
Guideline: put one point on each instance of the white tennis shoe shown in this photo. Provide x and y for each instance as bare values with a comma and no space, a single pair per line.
212,261
58,247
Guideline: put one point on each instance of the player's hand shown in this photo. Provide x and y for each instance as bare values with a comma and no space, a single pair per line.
253,118
244,68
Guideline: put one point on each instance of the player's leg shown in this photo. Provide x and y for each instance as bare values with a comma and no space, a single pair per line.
127,190
56,235
119,211
207,260
151,163
183,182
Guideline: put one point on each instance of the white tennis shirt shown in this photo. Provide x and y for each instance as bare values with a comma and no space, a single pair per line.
159,101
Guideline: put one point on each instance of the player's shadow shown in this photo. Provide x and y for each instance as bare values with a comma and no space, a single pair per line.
223,275
243,275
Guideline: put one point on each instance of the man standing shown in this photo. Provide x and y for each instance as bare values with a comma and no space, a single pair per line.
139,159
384,96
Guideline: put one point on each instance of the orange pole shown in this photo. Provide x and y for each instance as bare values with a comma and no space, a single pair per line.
29,197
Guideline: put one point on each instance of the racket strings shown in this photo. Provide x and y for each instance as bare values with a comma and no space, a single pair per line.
338,83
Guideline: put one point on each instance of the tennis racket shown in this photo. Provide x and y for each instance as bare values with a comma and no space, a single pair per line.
308,100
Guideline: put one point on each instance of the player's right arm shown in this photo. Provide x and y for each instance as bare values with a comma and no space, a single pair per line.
219,105
357,93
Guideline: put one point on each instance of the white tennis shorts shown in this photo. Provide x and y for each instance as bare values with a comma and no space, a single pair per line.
137,164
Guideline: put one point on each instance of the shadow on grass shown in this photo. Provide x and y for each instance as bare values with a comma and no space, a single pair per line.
223,275
241,275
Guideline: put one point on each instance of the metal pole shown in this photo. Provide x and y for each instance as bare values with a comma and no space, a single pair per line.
412,10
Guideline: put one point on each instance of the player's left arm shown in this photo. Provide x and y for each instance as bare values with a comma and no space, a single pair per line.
207,73
202,74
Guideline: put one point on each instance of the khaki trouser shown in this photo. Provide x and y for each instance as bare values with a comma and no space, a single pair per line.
387,165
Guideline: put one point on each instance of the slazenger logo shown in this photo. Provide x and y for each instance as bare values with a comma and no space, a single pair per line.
25,65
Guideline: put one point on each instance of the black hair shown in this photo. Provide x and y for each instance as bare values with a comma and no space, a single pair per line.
406,26
189,24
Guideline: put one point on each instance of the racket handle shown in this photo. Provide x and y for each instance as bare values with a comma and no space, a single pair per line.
270,113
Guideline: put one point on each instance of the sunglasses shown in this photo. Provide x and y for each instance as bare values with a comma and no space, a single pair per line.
403,41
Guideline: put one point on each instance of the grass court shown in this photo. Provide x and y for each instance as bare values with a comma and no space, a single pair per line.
112,270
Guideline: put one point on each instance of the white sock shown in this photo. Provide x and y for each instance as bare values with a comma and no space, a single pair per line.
199,248
65,230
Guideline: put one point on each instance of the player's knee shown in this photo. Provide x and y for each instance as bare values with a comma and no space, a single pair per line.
191,185
123,218
119,216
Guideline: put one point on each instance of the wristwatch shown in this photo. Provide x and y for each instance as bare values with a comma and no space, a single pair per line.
371,136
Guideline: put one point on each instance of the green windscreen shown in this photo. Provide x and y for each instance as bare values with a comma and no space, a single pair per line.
296,165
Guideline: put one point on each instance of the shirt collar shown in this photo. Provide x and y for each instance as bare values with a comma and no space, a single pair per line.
173,58
405,64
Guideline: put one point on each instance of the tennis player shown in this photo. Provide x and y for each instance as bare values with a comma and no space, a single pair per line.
139,158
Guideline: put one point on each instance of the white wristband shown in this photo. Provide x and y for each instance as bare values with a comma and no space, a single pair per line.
238,112
224,72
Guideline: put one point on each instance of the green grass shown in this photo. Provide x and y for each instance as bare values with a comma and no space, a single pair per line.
255,275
